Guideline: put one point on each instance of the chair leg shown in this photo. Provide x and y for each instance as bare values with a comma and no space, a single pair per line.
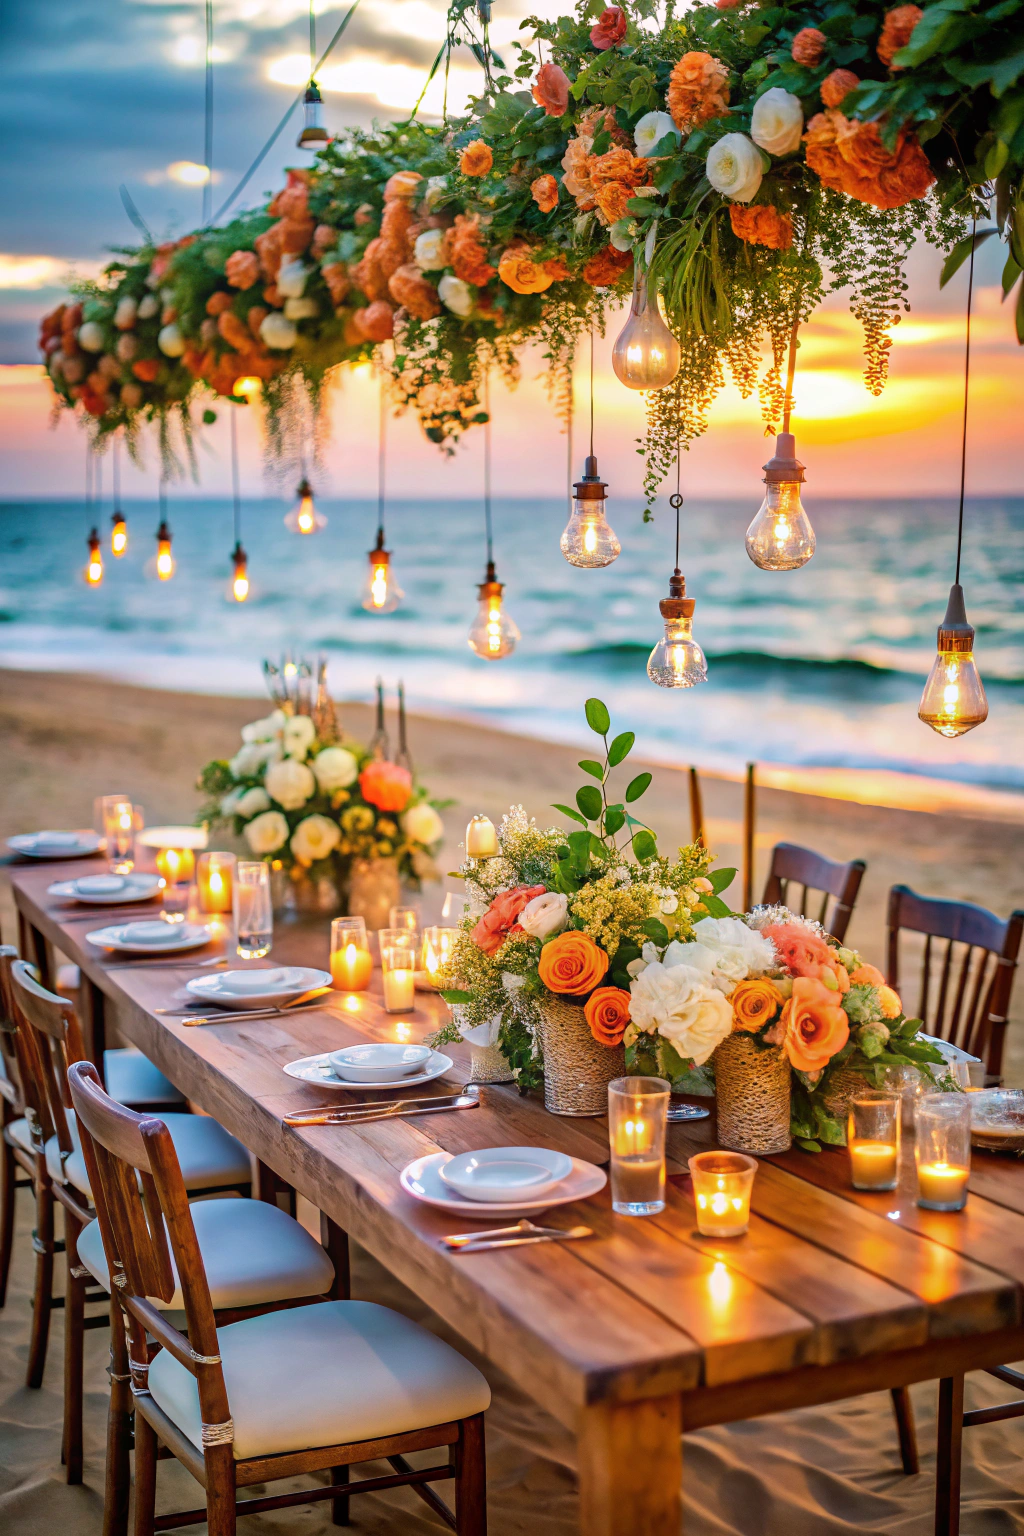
145,1476
947,1466
220,1491
117,1484
903,1408
471,1478
339,1505
8,1179
74,1344
42,1301
335,1244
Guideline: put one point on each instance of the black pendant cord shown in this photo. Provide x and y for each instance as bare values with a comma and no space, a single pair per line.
208,134
162,499
676,501
312,42
488,523
381,458
235,492
117,473
88,481
967,381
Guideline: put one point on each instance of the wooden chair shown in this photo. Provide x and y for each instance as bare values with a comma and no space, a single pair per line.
289,1392
16,1164
833,882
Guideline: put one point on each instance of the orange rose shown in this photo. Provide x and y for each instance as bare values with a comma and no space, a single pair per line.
518,271
850,157
610,29
612,199
468,255
410,288
799,949
808,46
401,185
897,31
476,159
571,964
376,322
836,86
386,785
816,1027
556,269
761,224
607,1013
867,976
754,1003
698,89
604,269
544,192
551,90
890,1004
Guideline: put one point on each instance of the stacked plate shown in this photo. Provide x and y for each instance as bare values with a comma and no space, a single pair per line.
373,1065
55,845
263,988
152,938
501,1181
108,890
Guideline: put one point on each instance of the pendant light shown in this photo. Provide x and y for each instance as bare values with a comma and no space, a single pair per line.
118,525
239,589
646,355
93,572
493,632
304,517
677,661
781,537
380,591
588,540
953,701
314,134
165,562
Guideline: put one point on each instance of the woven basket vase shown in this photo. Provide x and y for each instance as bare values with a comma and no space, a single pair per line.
842,1090
577,1070
752,1095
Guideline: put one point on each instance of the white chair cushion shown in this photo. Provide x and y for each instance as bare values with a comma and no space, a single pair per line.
210,1156
131,1078
331,1374
253,1253
19,1133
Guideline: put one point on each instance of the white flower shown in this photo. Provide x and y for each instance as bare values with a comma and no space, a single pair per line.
544,915
428,250
636,967
149,305
733,167
278,332
298,736
335,768
777,121
301,309
248,760
266,729
436,192
126,312
90,336
676,1002
668,902
290,783
267,833
314,838
651,129
511,982
291,277
251,801
698,956
170,340
455,295
739,951
230,801
422,824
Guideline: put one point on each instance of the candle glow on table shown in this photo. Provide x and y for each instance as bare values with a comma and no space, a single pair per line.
637,1108
722,1183
873,1164
398,976
943,1151
481,838
941,1186
351,961
215,878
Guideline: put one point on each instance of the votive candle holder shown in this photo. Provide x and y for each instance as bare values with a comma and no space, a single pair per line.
215,881
435,952
722,1182
873,1140
253,910
398,971
351,961
637,1114
943,1151
119,831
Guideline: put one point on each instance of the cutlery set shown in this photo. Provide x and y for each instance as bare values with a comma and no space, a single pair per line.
228,1016
387,1109
516,1236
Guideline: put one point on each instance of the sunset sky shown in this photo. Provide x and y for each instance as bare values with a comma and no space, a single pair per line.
116,96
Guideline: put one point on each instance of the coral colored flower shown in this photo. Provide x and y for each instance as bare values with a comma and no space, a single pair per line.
576,163
376,322
698,90
816,1026
754,1003
726,5
618,165
242,269
544,192
571,964
867,976
761,224
607,1013
386,785
518,270
897,31
551,90
610,29
808,46
604,269
411,289
836,86
799,949
468,254
501,917
851,158
335,275
401,185
556,268
146,369
476,159
889,1002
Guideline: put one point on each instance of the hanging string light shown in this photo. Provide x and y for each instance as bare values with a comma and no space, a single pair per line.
677,661
380,591
493,633
94,565
781,537
588,540
119,527
953,701
239,589
313,134
165,562
304,517
646,355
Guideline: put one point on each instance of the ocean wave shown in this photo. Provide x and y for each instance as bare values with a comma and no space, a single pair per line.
833,667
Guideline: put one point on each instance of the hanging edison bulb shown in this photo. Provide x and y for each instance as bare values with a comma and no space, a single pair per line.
94,566
314,134
677,661
381,592
304,517
240,575
165,563
646,354
781,537
954,701
588,540
493,633
118,535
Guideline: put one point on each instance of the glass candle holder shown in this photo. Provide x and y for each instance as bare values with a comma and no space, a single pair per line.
351,961
873,1140
254,914
481,838
407,918
398,938
721,1191
99,811
943,1150
215,881
637,1111
435,952
398,967
119,831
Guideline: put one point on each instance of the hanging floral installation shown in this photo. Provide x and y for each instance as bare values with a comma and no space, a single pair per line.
740,161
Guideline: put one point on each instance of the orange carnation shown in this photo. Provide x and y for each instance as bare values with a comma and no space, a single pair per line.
851,158
618,165
242,269
761,224
607,1013
816,1026
518,271
607,267
324,236
897,31
467,253
369,275
234,331
808,46
544,192
377,321
571,964
402,184
754,1002
698,89
556,268
836,86
410,288
218,302
146,369
612,199
386,785
551,90
867,976
476,159
337,279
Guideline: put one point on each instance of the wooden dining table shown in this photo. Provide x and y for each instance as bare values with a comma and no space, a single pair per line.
632,1336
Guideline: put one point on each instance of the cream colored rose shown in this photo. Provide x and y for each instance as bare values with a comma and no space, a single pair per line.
676,1003
734,167
266,729
335,768
248,760
738,950
301,309
422,824
314,838
428,250
267,833
544,915
278,332
777,121
651,129
436,192
170,340
298,736
291,277
251,802
455,295
290,783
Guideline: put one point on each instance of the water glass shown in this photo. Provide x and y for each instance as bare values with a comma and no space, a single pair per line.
119,831
254,915
637,1111
351,961
398,938
943,1151
873,1140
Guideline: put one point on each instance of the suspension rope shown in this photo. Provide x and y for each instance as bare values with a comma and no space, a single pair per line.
208,135
117,472
591,390
967,380
381,458
488,522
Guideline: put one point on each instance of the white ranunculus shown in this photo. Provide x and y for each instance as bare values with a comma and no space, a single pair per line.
90,336
777,121
739,952
291,277
651,129
278,332
267,833
734,167
544,915
266,729
301,309
170,340
251,802
290,783
676,1003
230,801
428,250
149,305
314,838
455,295
422,824
335,768
298,736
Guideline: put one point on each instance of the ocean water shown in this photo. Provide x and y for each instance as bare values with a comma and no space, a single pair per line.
819,667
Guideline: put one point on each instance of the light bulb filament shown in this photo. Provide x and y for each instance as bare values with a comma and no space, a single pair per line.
379,586
164,561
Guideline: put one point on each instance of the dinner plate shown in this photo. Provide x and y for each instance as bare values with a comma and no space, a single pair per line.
126,936
229,990
422,1180
379,1061
55,845
503,1175
318,1070
115,890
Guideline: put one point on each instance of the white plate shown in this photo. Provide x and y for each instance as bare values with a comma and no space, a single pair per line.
42,845
422,1180
503,1175
120,936
294,980
122,889
318,1070
379,1061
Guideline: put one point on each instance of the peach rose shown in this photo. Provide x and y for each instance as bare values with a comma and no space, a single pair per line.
410,288
867,976
897,30
754,1003
501,917
612,199
698,89
544,192
571,964
335,275
468,254
836,86
808,46
551,90
799,950
242,269
889,1002
402,184
816,1026
610,28
376,322
607,1013
518,271
476,159
604,269
386,785
761,224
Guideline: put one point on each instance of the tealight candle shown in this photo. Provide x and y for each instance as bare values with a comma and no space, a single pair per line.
873,1140
399,978
351,961
873,1164
215,878
119,827
941,1187
721,1190
481,838
435,953
943,1151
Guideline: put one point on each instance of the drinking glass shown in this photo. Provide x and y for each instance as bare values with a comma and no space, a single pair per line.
254,916
398,967
873,1140
943,1151
119,831
721,1192
351,961
637,1109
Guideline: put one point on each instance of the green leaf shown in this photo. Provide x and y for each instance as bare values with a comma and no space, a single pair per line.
656,931
996,159
638,786
614,820
644,846
453,995
579,859
808,1146
567,810
1019,314
594,769
714,906
959,254
620,748
1011,272
589,801
598,717
721,879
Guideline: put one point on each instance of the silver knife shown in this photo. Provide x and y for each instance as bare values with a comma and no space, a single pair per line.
523,1228
572,1236
433,1100
387,1112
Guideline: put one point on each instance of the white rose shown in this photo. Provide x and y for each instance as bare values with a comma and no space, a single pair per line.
265,729
149,305
668,903
455,295
777,121
676,1002
301,309
278,332
544,915
298,736
708,1022
251,801
314,838
90,336
651,129
335,768
739,951
170,341
267,833
733,167
248,760
230,801
422,824
696,955
291,277
290,783
428,250
636,967
436,192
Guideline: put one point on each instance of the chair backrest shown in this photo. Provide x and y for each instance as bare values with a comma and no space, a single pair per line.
54,1042
10,1079
817,876
144,1218
965,987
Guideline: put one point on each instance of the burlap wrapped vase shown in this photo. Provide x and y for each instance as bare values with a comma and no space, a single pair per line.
752,1095
577,1070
